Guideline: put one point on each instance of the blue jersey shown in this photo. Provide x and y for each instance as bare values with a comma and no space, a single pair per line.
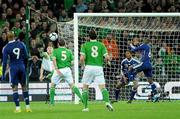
145,50
125,67
145,64
16,53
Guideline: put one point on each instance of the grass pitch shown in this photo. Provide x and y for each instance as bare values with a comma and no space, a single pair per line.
136,110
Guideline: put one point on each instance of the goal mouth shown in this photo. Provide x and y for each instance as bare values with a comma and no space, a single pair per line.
162,29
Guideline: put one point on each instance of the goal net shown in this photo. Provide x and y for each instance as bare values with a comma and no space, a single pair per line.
117,30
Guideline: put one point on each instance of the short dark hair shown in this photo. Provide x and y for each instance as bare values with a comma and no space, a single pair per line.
61,42
129,51
92,34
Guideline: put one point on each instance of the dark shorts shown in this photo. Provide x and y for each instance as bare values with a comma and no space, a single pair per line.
17,74
146,68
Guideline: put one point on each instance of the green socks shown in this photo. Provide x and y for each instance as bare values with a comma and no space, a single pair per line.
52,94
77,92
105,94
85,98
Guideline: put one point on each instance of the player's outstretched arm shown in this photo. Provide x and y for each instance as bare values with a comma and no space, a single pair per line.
107,59
134,49
41,73
56,68
83,56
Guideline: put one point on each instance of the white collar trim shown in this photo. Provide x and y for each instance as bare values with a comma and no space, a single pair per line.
11,41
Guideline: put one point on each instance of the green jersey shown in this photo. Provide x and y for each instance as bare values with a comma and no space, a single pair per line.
94,52
63,57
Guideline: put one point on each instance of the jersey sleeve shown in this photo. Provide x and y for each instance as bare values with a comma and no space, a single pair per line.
134,49
82,52
136,61
104,51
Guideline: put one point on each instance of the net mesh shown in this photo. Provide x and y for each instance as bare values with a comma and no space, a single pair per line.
119,31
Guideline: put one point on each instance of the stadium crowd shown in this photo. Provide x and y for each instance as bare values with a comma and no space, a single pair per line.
13,15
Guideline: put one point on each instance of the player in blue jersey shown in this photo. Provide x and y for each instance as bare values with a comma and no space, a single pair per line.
127,76
16,53
145,63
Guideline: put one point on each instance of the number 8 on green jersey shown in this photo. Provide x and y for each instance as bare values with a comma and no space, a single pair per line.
94,52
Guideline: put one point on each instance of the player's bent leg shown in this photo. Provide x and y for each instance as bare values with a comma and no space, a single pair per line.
16,98
133,91
155,95
105,94
52,93
26,98
55,80
76,91
117,90
85,97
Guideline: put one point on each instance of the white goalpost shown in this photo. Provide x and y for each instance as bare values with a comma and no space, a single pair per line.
158,27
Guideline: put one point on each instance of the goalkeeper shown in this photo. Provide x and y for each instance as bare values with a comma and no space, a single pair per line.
127,76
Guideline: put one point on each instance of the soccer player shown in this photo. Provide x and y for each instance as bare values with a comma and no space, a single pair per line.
17,54
145,64
47,63
127,76
62,60
92,54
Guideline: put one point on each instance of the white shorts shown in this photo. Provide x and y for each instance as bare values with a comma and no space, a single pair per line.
93,74
67,76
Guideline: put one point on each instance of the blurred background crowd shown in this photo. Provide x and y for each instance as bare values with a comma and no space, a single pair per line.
13,13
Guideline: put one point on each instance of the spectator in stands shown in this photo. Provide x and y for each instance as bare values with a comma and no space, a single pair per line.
33,48
81,7
18,17
3,7
15,9
34,69
123,43
23,13
159,67
3,18
172,65
113,51
163,51
97,5
3,42
34,30
63,16
44,38
16,29
112,46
